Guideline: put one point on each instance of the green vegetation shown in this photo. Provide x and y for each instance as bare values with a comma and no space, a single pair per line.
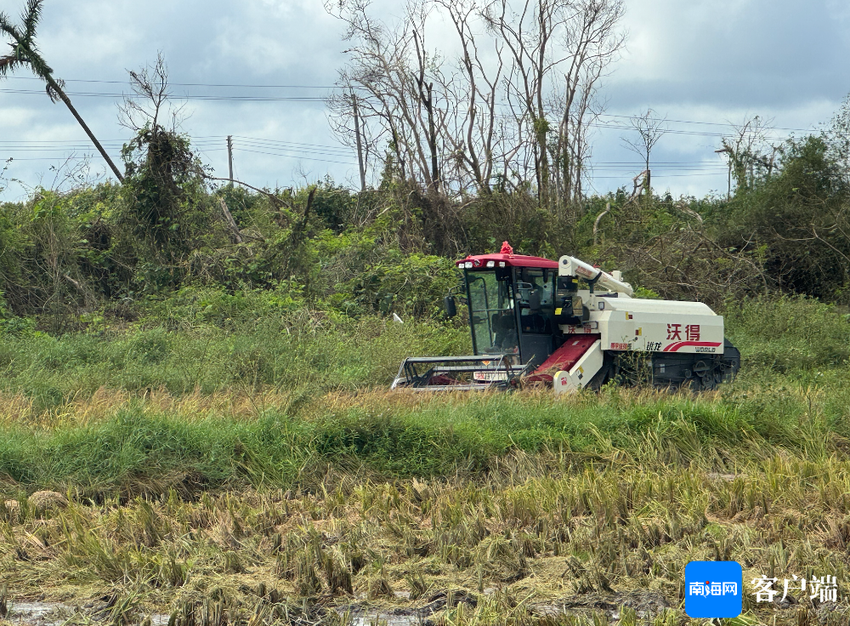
291,351
144,446
298,396
282,475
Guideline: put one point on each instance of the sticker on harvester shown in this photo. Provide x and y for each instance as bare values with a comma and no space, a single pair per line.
713,589
489,376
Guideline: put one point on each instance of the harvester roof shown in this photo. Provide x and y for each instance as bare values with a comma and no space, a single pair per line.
479,262
505,258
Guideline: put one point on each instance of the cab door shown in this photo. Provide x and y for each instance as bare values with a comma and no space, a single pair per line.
535,289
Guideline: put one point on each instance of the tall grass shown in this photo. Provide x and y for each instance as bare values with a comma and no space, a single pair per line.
138,446
219,398
793,336
297,349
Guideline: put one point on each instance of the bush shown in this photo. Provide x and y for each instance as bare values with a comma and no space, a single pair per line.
788,334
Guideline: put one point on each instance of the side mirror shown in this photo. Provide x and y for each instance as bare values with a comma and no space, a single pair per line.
450,306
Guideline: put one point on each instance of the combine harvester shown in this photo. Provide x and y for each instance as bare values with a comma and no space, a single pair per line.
531,323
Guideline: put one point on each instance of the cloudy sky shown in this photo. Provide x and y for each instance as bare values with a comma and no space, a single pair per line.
259,69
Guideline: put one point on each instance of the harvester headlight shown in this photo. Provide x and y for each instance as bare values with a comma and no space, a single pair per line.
491,264
468,265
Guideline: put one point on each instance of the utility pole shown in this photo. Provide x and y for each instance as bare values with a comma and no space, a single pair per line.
727,151
230,157
359,144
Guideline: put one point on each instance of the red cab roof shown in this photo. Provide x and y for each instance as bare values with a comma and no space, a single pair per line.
479,262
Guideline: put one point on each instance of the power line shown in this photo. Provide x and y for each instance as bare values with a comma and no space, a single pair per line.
337,87
727,124
250,98
115,96
298,156
233,85
656,176
306,148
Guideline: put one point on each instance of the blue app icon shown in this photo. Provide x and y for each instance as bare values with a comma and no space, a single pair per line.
713,589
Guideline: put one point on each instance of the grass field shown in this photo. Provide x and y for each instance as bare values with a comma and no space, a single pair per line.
259,473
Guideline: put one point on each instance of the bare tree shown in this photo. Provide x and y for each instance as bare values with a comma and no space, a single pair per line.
748,153
442,117
472,93
25,52
649,129
392,69
549,41
349,122
593,42
425,89
437,116
151,99
527,35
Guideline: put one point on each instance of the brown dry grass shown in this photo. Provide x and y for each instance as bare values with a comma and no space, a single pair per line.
535,531
244,404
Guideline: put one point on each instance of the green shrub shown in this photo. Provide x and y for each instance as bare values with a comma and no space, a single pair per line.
789,334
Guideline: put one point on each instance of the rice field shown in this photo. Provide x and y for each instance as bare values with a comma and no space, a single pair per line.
138,496
524,503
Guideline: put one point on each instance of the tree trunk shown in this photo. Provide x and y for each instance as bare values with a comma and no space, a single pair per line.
541,128
235,234
63,96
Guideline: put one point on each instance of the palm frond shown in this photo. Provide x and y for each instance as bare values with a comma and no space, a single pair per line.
10,62
31,17
7,64
10,29
55,90
24,50
31,56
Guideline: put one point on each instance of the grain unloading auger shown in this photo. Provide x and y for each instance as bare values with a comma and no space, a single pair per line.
531,323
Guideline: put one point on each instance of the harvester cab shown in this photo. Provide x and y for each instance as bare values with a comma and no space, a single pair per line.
510,301
531,321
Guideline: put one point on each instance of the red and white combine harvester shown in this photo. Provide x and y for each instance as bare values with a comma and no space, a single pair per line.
571,325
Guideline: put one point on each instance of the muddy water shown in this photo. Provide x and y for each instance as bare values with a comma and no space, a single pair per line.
39,613
368,618
53,614
57,614
645,604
